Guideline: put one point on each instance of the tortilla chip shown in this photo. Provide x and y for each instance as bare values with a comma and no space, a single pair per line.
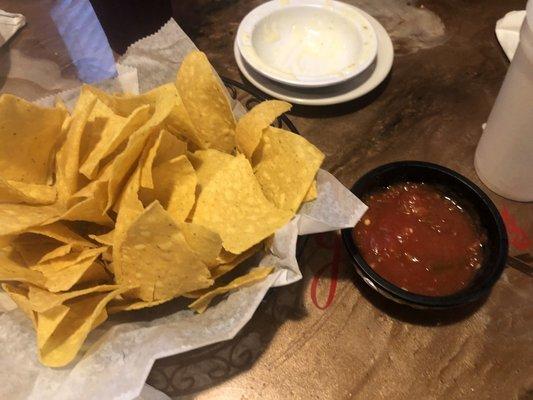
47,323
91,208
106,239
8,250
49,320
92,133
207,163
121,104
59,103
285,166
165,147
219,269
69,259
100,319
89,189
223,269
88,211
68,157
66,340
29,134
32,247
202,241
156,258
179,123
170,147
115,132
19,295
255,275
62,273
28,193
147,160
15,218
97,273
312,193
175,187
57,252
119,305
206,102
124,161
88,204
6,241
108,255
109,264
42,243
130,207
225,256
11,271
232,204
42,300
62,233
250,127
124,104
84,271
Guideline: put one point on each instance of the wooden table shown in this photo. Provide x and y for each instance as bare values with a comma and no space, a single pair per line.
329,336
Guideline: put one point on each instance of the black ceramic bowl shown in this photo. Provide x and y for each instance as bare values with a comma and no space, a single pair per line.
470,197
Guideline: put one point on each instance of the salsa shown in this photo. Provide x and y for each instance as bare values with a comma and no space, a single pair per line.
420,239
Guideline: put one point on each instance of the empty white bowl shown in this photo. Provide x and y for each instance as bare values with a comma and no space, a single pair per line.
307,43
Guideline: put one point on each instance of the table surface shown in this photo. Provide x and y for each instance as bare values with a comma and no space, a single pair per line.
329,336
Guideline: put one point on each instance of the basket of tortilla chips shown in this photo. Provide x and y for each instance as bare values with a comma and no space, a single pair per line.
131,201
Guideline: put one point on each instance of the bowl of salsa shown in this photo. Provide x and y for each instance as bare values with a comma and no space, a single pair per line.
430,237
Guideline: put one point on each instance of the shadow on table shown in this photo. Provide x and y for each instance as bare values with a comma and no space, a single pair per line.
196,370
412,315
334,110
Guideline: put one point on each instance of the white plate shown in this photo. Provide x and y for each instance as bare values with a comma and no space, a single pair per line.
349,90
307,43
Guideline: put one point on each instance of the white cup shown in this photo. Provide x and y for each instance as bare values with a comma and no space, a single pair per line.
504,155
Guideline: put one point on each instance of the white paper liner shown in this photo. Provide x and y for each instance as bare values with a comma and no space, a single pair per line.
10,23
508,31
126,81
149,393
120,355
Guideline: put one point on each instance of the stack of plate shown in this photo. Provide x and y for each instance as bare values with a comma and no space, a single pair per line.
313,52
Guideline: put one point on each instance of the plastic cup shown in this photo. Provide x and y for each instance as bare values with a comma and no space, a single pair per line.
504,156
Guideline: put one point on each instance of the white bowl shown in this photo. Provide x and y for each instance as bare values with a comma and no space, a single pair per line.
328,95
307,43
